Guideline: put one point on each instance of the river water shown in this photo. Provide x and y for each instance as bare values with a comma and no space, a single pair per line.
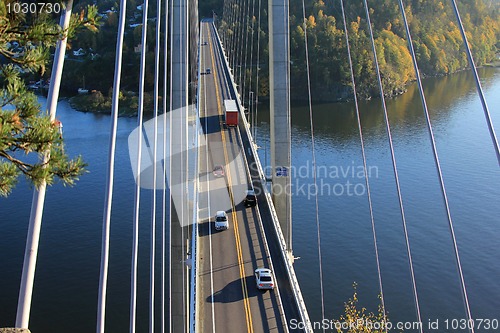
67,273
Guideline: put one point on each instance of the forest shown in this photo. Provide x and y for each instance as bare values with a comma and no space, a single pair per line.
436,38
437,41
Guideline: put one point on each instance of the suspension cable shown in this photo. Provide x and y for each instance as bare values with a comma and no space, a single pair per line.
170,118
365,167
478,82
111,170
185,71
230,46
164,194
237,22
224,18
257,78
235,39
244,31
394,166
155,158
229,37
246,52
239,53
438,166
313,151
242,46
252,41
140,114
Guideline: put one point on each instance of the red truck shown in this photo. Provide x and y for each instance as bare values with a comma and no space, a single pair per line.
231,112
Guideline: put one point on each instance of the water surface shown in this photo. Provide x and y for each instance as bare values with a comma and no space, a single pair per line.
67,274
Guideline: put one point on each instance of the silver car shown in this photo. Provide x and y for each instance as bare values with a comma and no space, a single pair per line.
264,278
221,222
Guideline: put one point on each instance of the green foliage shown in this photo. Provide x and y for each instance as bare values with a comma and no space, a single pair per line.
98,70
207,6
437,42
30,142
434,29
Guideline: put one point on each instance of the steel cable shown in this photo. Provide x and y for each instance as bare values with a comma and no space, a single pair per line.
111,169
313,151
155,158
140,116
257,75
164,192
365,167
394,166
438,166
250,96
246,52
170,210
478,82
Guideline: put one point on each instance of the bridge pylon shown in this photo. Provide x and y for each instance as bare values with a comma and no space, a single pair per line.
279,81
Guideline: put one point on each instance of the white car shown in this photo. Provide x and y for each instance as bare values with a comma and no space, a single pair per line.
221,222
264,278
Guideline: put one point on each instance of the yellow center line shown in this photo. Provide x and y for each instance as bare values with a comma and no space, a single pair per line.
239,252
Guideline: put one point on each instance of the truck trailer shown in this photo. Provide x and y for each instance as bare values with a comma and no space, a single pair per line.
231,110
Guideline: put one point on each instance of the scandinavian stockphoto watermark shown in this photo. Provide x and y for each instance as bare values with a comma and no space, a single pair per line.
331,180
181,143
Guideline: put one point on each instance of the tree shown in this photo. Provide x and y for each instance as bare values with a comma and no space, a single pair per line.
355,320
26,131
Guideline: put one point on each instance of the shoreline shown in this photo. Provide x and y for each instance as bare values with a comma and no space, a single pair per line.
95,102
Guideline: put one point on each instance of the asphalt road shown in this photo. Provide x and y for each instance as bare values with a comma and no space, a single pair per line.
228,298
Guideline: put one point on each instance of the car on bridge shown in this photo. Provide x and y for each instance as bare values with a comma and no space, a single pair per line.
208,71
218,171
264,278
221,222
250,199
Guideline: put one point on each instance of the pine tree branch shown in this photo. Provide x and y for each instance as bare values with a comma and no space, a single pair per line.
22,166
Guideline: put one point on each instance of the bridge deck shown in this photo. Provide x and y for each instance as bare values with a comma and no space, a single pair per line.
230,301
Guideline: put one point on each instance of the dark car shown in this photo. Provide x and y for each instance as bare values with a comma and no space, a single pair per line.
250,199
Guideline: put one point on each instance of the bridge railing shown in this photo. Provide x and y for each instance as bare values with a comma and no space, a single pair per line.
193,307
194,243
305,321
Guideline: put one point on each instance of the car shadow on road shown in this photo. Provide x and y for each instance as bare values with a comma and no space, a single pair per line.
232,292
203,228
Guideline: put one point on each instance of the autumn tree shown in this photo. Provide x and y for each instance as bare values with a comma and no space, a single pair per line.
436,36
359,320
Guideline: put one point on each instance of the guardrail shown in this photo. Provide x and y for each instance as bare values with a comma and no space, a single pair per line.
288,264
194,241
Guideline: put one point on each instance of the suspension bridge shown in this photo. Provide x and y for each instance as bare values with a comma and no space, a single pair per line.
207,281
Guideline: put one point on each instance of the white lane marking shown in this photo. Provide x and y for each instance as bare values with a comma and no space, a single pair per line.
208,201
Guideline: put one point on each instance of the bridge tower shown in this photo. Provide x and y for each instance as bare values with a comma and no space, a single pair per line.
179,82
279,81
